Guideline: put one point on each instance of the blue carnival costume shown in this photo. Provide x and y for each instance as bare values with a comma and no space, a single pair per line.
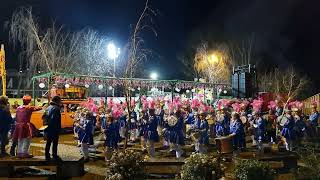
279,111
260,129
174,134
222,126
300,127
237,128
150,132
111,133
314,119
122,126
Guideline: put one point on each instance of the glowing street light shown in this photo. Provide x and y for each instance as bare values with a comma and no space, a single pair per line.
154,76
113,53
213,58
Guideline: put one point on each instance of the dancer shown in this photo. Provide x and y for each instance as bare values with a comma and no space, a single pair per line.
200,133
174,132
150,134
287,130
222,123
237,131
111,133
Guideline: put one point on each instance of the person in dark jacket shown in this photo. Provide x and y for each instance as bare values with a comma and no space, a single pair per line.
54,126
5,122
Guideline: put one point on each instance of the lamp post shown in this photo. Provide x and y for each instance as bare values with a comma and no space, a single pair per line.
113,53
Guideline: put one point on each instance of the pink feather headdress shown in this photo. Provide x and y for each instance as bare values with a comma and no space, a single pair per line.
272,105
257,104
236,107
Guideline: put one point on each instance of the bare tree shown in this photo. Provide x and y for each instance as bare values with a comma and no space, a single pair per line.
136,52
56,50
241,53
286,82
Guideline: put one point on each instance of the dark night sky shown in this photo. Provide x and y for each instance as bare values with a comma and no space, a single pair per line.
285,31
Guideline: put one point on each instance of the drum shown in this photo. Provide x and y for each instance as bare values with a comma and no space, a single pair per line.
282,120
195,135
244,119
172,121
224,144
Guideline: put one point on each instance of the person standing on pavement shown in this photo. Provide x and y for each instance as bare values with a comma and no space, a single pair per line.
5,122
54,126
24,129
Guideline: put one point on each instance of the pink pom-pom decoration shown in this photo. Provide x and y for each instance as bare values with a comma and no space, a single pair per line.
272,105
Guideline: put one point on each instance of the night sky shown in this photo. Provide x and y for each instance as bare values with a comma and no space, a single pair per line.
285,31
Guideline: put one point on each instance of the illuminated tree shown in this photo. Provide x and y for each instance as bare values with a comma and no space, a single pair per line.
213,65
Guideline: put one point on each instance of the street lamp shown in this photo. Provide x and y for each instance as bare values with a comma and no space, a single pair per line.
154,76
213,58
113,53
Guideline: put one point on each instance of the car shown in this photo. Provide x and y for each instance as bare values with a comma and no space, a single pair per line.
69,108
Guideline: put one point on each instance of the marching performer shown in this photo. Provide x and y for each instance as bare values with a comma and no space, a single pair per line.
24,130
200,133
222,123
123,125
150,134
134,132
313,120
287,130
271,124
85,133
237,131
279,108
300,126
259,127
110,130
173,132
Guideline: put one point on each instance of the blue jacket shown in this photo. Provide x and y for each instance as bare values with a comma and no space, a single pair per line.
288,129
54,121
150,131
314,118
5,120
111,133
237,128
190,119
203,127
222,126
261,129
174,134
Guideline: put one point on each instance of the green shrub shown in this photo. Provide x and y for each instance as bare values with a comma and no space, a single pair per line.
253,170
201,167
126,165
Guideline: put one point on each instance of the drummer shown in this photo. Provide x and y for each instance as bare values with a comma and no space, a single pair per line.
200,133
173,132
237,131
313,119
222,123
287,130
271,124
259,127
300,125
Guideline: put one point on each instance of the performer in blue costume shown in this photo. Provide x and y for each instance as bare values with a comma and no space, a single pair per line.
279,109
222,124
237,131
259,127
110,130
84,134
189,120
123,125
288,130
313,119
142,125
173,132
134,132
150,133
300,126
200,133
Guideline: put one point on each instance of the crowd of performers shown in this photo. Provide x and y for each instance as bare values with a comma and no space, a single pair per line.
174,123
180,121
